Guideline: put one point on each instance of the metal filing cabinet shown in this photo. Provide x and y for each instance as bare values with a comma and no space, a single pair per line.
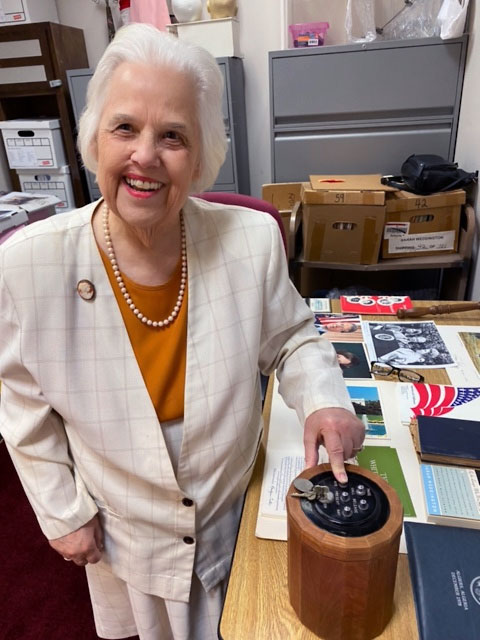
363,108
234,173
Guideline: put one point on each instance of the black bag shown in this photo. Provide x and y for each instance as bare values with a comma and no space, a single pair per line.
426,174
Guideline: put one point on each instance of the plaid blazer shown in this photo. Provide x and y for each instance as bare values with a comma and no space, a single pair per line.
78,420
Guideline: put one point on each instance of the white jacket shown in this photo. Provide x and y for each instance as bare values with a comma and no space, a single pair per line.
78,420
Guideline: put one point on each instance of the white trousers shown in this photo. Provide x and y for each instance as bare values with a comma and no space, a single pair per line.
121,611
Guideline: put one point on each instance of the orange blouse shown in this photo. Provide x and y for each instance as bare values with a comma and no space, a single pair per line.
161,353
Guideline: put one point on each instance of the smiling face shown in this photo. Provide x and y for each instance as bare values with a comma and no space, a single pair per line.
147,145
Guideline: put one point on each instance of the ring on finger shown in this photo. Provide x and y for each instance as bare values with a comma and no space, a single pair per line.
67,559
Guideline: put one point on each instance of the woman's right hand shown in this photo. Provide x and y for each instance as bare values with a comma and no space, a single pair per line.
83,546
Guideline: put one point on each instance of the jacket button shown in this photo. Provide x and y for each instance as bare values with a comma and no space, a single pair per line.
188,540
187,502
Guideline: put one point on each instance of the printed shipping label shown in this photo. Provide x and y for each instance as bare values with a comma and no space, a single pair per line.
441,241
394,229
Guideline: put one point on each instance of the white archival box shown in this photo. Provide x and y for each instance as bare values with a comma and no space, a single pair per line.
33,144
219,37
23,11
55,182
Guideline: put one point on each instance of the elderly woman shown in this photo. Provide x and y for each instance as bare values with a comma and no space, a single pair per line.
131,397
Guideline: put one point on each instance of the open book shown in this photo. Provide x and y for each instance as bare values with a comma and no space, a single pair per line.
284,458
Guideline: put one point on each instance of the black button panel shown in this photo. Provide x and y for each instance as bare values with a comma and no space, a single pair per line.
359,507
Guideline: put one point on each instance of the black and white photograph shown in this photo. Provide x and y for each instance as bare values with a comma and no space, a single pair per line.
415,345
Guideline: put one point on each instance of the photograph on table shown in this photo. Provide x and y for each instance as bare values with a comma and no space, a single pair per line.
352,359
368,408
463,343
339,327
416,345
471,342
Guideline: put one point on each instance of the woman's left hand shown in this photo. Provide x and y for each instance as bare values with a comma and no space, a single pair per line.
83,546
340,431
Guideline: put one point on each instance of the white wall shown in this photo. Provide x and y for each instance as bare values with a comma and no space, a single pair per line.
90,17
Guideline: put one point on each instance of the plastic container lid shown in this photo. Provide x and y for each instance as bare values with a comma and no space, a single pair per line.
39,123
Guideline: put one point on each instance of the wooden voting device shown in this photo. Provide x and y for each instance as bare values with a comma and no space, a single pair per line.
343,552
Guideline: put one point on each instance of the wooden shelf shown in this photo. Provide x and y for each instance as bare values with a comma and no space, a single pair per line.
57,48
396,264
454,266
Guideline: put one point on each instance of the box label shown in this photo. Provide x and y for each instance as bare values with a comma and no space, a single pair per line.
22,157
441,241
395,229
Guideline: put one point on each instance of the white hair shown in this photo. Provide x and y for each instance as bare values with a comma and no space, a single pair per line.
144,44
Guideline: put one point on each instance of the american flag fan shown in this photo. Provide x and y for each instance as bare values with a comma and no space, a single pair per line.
436,400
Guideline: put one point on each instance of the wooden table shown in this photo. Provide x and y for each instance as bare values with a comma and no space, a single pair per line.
257,606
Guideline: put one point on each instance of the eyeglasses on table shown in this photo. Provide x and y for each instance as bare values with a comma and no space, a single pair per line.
404,375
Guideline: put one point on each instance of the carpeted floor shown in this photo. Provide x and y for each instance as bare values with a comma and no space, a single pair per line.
42,597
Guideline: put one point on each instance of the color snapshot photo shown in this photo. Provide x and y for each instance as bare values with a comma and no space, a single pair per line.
367,406
339,327
352,359
471,342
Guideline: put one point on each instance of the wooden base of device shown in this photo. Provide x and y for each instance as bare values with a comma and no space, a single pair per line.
342,588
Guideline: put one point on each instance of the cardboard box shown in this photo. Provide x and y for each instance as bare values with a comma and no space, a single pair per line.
342,233
421,225
18,209
283,196
33,144
343,218
220,37
55,182
346,189
23,11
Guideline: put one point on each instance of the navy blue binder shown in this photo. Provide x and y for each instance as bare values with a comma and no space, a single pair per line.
445,572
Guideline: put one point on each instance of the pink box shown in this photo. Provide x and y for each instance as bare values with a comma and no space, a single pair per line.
308,34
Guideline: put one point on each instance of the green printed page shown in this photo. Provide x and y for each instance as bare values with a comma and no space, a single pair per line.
385,462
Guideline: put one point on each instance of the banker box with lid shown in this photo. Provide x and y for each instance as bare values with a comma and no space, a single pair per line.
283,196
421,225
55,182
343,218
23,11
33,144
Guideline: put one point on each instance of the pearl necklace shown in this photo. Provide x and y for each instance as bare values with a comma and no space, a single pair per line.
123,288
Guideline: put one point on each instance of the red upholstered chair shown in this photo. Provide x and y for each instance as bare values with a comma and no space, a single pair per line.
238,199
